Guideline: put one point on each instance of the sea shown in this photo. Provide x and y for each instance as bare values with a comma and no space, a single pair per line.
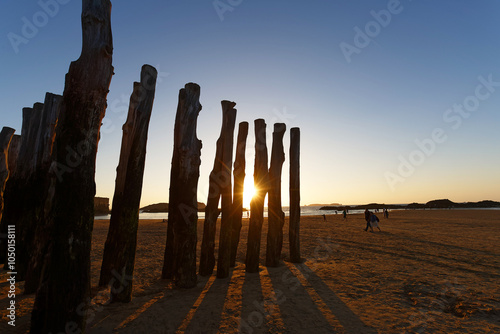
304,211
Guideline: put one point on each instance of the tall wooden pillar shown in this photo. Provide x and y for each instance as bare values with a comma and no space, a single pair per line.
121,243
224,255
180,251
276,216
257,203
239,181
219,181
65,284
5,140
34,223
294,231
8,195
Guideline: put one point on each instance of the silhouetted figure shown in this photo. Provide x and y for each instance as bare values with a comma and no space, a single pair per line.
374,222
345,214
324,217
367,218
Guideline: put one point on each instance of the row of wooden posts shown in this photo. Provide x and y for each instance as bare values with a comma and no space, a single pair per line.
48,187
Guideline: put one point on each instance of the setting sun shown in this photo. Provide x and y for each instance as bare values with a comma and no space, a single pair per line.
248,192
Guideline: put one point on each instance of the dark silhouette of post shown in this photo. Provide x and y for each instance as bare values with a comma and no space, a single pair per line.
218,181
19,195
119,250
294,230
180,252
13,152
207,258
5,139
238,187
257,204
224,255
33,227
27,192
64,289
14,146
276,216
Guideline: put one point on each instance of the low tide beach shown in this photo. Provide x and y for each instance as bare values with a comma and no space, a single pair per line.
434,271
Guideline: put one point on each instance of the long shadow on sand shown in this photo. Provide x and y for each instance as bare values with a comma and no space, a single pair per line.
288,299
349,321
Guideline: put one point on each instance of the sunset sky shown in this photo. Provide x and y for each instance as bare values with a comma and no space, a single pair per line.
397,101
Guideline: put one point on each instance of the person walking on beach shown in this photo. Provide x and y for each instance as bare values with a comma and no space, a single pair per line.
345,214
324,217
374,222
367,218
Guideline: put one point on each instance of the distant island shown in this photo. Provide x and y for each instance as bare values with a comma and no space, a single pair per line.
163,207
435,204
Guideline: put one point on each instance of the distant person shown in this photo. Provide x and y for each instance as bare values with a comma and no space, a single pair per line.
386,213
344,213
367,218
324,217
374,222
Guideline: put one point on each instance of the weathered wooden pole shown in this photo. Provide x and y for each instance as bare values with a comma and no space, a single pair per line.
239,180
207,257
14,146
5,140
17,190
180,252
30,191
218,181
224,255
276,216
257,204
9,191
32,225
294,230
62,297
119,250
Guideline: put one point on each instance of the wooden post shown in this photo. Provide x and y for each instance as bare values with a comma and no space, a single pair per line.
5,140
207,258
121,243
62,297
218,181
276,216
9,191
239,180
224,258
18,195
14,146
180,251
257,204
33,227
294,231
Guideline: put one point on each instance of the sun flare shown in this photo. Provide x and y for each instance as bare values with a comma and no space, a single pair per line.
248,192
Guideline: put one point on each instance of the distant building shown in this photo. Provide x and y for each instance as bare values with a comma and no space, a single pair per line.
101,205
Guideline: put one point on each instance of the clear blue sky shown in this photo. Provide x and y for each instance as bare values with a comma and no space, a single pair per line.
364,88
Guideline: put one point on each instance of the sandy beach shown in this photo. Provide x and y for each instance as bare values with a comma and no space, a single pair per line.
426,272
